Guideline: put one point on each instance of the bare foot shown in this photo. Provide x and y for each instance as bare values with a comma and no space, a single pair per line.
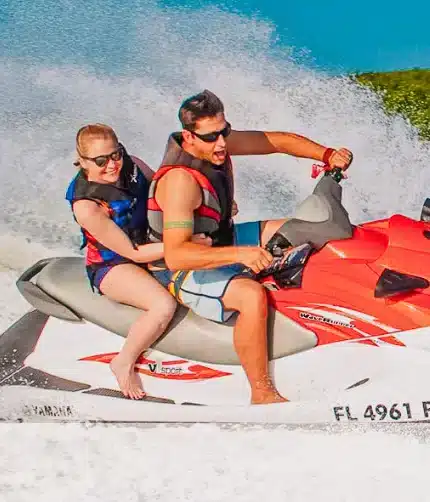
267,397
128,380
264,392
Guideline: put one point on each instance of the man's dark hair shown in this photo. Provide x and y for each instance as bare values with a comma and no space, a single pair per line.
202,105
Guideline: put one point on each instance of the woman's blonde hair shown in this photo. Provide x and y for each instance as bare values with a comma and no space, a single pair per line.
88,133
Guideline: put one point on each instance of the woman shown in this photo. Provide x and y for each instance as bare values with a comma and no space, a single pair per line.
109,201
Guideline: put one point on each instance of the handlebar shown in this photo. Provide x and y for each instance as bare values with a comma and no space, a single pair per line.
336,173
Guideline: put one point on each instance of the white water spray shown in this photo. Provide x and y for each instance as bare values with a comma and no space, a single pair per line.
176,54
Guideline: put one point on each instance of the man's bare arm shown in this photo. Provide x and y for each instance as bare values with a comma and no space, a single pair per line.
263,143
179,195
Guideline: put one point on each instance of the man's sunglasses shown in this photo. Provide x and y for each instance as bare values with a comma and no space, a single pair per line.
102,160
211,137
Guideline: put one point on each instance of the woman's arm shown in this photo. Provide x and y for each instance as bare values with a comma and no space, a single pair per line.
95,220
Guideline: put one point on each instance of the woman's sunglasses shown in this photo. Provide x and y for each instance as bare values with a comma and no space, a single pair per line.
102,160
211,137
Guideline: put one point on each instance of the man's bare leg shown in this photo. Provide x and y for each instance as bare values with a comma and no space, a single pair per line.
248,297
268,229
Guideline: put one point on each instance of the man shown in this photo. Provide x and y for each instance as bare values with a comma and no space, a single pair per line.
191,193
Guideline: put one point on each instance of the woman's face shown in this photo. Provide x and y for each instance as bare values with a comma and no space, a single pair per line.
102,160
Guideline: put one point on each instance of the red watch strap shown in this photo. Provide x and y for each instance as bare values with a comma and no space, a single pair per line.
327,154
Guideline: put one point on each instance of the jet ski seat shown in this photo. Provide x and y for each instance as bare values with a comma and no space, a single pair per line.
61,289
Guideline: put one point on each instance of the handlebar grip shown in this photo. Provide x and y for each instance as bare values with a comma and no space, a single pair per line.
336,174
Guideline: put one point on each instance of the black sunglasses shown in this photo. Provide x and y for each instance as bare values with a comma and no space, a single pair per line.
102,160
211,137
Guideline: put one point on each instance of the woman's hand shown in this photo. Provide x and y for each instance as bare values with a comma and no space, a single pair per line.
201,239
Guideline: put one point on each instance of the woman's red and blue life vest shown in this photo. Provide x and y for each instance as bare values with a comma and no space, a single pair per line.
126,203
213,217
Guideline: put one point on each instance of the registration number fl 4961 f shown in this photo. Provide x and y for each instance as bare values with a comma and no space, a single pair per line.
383,411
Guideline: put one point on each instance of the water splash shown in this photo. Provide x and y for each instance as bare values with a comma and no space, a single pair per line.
137,83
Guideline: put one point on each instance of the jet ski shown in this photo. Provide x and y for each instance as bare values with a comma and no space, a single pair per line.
349,335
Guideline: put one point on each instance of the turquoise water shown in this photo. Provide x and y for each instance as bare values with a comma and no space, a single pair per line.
335,36
343,36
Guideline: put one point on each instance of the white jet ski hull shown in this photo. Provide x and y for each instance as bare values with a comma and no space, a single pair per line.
328,384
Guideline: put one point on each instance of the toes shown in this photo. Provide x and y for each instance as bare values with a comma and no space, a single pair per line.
131,387
134,394
138,393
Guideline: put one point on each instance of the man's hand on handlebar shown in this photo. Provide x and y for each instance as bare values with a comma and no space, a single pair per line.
340,158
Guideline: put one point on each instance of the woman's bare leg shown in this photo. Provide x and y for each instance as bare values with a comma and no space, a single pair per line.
129,284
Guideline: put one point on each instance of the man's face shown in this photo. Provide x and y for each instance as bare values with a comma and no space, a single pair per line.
206,141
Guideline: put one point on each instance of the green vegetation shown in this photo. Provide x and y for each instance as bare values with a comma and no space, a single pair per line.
405,92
